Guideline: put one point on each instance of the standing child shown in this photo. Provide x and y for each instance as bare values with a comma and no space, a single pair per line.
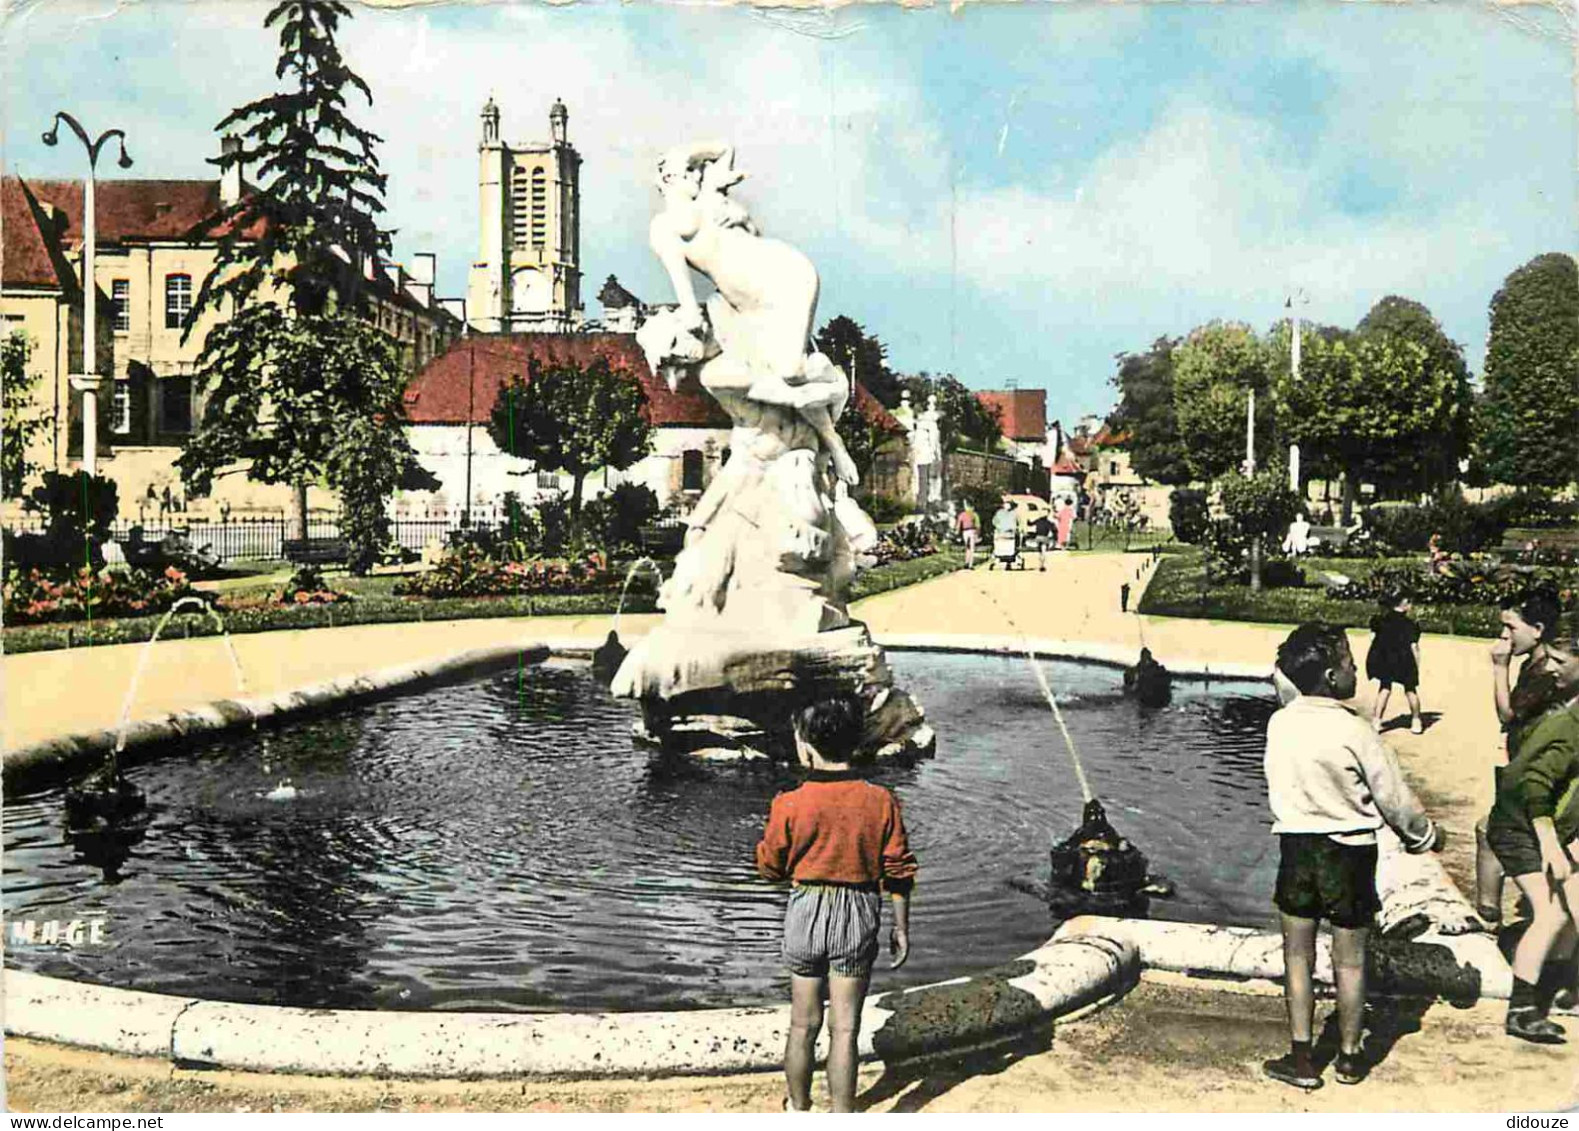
1534,830
1529,630
840,840
1395,658
1332,783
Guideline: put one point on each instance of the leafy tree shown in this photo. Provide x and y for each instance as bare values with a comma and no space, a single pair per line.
19,423
81,509
297,381
1529,414
1446,376
573,418
1376,408
863,436
862,357
1188,514
1214,369
1145,411
962,418
1260,506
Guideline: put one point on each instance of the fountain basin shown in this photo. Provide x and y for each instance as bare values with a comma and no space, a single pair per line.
43,1007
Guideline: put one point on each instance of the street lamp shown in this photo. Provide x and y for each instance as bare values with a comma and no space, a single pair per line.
88,381
1293,448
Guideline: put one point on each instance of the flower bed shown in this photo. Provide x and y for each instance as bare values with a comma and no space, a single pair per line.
467,571
44,596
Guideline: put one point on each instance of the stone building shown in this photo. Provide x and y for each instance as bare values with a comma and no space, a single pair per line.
527,276
450,402
156,242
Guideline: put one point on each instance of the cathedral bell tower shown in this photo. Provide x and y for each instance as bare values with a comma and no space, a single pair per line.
527,276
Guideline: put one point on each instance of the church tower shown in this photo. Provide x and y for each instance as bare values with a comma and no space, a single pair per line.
527,276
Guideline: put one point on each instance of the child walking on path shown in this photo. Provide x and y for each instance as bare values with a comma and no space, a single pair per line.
1534,830
841,841
1332,783
1395,658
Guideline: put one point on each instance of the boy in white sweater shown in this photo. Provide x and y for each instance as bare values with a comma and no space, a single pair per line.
1332,783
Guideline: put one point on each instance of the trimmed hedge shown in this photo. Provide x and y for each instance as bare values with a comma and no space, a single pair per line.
1179,589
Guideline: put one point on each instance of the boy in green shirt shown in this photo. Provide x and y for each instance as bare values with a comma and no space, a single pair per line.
1534,831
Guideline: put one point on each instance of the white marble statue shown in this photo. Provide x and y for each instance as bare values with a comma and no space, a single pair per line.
778,514
926,445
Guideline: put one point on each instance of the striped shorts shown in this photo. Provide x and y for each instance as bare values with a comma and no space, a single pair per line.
832,928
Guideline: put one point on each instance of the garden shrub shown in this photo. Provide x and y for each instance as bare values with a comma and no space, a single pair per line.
985,499
1473,581
80,509
1465,527
1227,559
1188,514
615,519
308,587
885,508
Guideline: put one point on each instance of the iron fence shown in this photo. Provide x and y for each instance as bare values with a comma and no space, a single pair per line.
263,538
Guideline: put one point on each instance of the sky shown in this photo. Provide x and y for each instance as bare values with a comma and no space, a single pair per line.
1014,193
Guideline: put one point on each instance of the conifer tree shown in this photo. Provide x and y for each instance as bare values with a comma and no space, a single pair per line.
296,382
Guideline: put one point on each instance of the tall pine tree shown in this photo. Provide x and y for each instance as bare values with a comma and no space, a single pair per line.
1528,416
296,382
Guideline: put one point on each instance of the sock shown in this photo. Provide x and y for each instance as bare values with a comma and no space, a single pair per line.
1554,976
1300,1051
1524,996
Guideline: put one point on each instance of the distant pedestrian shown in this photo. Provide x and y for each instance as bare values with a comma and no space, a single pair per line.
841,842
969,527
1066,520
1332,783
1005,537
1123,598
1042,535
1395,658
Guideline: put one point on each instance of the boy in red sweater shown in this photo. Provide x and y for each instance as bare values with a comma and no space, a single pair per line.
841,841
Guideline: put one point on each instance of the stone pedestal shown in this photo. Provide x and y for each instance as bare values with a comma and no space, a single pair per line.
720,692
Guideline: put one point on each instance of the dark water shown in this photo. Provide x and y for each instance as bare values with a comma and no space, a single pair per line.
501,844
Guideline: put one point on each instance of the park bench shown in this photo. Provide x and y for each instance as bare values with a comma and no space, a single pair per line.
662,538
317,551
1328,538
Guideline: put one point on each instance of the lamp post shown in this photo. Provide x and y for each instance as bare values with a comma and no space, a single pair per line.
1293,448
88,381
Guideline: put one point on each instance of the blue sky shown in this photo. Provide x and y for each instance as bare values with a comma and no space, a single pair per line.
1008,192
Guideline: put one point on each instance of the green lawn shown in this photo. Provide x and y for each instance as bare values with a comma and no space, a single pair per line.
1179,589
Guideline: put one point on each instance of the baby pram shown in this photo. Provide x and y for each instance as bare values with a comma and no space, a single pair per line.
1006,547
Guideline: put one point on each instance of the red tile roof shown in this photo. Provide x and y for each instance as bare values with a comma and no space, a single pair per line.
1107,438
1023,412
1067,465
25,256
126,211
440,393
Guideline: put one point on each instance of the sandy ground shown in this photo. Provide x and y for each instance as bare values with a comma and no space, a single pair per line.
1168,1046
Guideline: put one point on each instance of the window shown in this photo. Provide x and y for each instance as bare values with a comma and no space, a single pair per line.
177,301
691,463
548,480
539,207
120,302
121,407
1112,467
175,404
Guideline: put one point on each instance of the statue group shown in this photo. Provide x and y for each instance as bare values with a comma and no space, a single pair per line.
755,610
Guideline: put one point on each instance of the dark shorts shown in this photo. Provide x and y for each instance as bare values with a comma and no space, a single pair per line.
1514,845
1318,878
832,928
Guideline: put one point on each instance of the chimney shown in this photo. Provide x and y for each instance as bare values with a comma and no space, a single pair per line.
230,175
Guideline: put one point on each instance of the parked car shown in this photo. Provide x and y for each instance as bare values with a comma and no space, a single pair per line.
1027,509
